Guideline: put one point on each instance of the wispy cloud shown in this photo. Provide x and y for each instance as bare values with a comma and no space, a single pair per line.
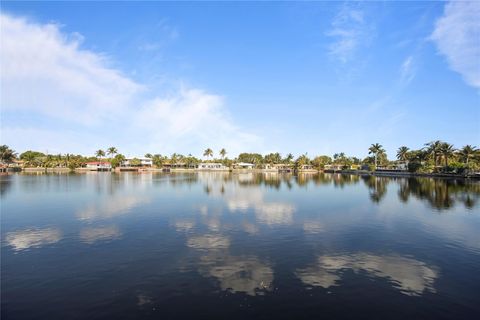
47,75
407,70
164,33
457,36
349,32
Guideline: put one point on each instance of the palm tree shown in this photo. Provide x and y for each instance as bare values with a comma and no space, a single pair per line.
301,161
112,151
100,153
208,153
289,158
158,160
223,153
402,153
467,152
118,160
447,150
376,149
433,148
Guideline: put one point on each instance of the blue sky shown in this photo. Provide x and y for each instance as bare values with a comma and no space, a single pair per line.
315,77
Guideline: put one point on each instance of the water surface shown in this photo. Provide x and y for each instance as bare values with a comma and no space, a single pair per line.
221,245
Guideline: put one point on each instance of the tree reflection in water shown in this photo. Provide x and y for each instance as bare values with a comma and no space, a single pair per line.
377,187
438,193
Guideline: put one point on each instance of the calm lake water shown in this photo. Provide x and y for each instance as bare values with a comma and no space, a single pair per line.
205,246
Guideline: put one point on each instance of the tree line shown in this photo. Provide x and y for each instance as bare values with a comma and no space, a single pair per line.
435,156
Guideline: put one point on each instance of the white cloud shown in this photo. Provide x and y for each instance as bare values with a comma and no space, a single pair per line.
45,71
407,70
80,97
457,35
350,32
193,119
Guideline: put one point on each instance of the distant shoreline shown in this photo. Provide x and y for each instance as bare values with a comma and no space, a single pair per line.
401,174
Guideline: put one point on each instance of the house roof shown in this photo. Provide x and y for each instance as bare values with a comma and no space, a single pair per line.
214,163
98,162
243,164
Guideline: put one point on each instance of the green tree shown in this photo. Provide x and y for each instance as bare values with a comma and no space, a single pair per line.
320,161
223,153
301,161
7,155
158,160
135,162
255,158
191,161
117,160
467,152
433,148
112,151
208,153
447,150
31,157
100,153
288,159
273,158
148,155
402,153
376,149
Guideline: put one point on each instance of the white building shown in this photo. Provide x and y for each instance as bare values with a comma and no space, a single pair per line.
243,165
212,166
144,162
98,166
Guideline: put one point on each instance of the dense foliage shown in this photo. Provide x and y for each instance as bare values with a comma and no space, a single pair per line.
436,156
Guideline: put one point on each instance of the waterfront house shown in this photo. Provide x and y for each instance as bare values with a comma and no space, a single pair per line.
243,165
144,162
98,166
178,166
212,166
281,167
333,167
307,168
398,166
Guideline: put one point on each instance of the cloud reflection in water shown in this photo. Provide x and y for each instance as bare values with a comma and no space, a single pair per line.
111,207
410,276
245,274
32,238
93,234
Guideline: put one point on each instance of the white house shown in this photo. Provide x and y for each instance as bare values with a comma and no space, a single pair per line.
243,165
211,166
98,166
307,168
144,162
